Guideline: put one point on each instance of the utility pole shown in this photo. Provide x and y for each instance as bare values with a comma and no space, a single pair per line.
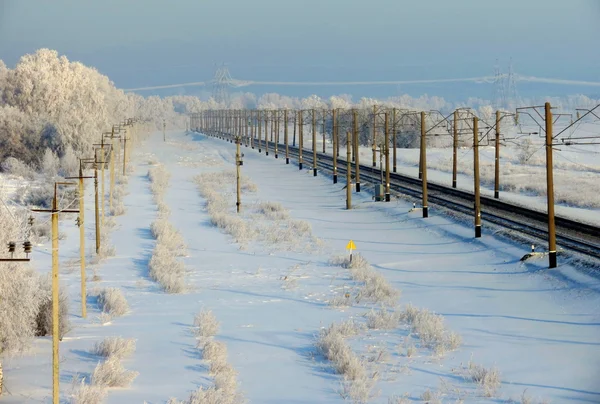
374,134
476,177
164,131
348,172
424,164
238,163
125,151
324,115
356,148
387,159
550,186
267,132
497,158
276,112
259,132
300,138
394,140
81,225
314,141
454,148
285,136
55,295
335,144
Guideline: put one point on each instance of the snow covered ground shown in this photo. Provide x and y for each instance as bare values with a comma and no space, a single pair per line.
540,328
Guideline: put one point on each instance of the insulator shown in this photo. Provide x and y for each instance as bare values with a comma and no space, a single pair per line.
27,246
30,220
12,246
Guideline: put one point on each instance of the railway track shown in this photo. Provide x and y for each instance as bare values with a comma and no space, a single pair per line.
571,235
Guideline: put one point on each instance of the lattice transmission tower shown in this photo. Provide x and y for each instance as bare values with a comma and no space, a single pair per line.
221,83
499,96
513,99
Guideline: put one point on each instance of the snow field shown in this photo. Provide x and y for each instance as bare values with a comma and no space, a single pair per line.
537,328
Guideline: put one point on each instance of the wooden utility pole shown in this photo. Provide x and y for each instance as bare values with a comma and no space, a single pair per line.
267,133
476,176
125,151
314,141
374,146
497,158
300,138
259,132
348,172
386,149
285,136
81,225
276,112
252,128
454,148
335,144
164,131
55,295
238,163
424,165
550,188
324,115
356,148
394,140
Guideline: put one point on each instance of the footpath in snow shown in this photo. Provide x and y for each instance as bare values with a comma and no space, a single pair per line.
271,294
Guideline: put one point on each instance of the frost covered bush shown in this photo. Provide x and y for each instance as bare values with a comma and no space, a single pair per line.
166,234
431,330
273,210
383,319
206,324
159,180
488,379
375,287
16,167
113,302
116,347
111,373
44,316
165,269
20,299
82,393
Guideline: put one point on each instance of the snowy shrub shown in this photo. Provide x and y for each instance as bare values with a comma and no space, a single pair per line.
375,287
69,163
50,163
333,347
341,300
39,194
358,390
166,234
111,373
113,302
214,351
44,316
166,270
273,210
82,393
116,347
383,319
206,324
20,299
487,379
431,397
159,179
17,168
431,330
118,208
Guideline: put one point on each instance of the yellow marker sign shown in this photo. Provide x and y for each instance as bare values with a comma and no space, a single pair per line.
351,246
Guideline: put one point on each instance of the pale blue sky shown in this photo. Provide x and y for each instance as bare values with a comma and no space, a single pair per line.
152,42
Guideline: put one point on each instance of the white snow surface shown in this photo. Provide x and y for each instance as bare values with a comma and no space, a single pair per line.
539,327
